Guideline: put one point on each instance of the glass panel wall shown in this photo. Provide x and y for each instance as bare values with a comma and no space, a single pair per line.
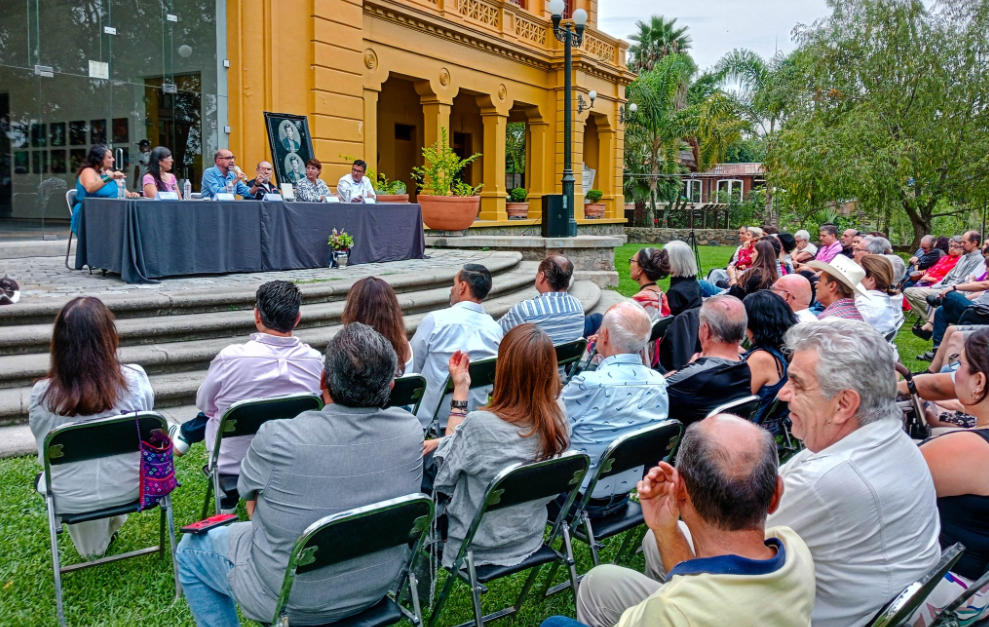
75,73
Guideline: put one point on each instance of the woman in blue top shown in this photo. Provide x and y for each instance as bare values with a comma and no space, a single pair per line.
96,178
769,320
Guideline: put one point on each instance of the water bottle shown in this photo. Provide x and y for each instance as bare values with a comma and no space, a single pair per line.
121,192
187,190
230,187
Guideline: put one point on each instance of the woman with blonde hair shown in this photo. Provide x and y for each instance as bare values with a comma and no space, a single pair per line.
878,309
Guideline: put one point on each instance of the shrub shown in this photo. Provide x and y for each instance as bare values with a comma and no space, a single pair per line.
594,195
518,194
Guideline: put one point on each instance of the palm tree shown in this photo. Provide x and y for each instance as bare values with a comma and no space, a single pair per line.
656,39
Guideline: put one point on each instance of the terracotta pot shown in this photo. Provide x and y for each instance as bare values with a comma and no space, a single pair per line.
594,210
449,213
517,210
393,198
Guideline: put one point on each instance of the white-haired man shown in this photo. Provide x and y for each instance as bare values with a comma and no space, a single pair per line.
860,495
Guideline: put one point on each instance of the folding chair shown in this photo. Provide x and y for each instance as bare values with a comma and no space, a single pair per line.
408,390
356,533
515,485
897,612
482,373
70,200
745,407
569,354
245,418
91,440
949,615
659,328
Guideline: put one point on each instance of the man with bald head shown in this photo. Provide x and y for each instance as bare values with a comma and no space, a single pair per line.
722,558
796,291
717,375
555,311
264,181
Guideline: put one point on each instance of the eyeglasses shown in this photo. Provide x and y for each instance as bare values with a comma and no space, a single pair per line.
228,158
632,260
781,292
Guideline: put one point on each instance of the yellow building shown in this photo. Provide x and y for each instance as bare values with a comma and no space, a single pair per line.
379,78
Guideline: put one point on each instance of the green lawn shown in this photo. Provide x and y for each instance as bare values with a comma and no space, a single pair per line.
139,591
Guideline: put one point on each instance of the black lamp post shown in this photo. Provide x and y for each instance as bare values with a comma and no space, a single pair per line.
571,34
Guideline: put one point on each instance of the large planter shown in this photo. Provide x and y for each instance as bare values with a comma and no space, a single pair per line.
517,210
594,210
392,198
449,213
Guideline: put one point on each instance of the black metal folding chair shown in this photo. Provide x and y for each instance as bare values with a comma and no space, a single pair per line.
569,354
516,485
482,374
244,418
949,615
659,328
897,612
356,533
92,440
745,407
408,390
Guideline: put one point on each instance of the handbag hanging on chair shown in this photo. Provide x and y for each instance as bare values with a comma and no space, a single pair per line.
157,468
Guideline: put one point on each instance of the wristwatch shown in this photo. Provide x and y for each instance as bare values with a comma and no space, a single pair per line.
458,404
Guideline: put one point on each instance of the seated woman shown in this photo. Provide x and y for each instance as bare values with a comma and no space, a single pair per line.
524,422
96,178
87,382
878,309
685,291
645,268
760,276
959,464
312,188
747,236
769,320
159,177
374,302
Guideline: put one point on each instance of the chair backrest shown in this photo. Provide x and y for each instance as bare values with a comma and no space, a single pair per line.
645,447
482,373
408,390
246,417
743,407
659,328
570,352
898,611
70,200
104,437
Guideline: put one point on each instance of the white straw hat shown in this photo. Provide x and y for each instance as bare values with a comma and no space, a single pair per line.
844,270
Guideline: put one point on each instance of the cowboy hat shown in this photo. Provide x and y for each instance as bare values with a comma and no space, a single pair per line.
843,270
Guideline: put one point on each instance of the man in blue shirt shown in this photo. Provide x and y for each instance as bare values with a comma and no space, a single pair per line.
555,311
215,179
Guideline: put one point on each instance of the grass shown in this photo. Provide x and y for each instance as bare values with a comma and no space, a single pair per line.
139,591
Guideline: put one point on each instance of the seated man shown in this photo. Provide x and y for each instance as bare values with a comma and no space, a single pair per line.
925,258
795,290
223,173
836,288
273,363
465,327
264,181
555,311
351,454
623,395
732,570
719,374
969,263
355,187
860,495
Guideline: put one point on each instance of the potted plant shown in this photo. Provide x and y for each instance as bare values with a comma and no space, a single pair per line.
389,191
340,243
517,207
447,203
592,208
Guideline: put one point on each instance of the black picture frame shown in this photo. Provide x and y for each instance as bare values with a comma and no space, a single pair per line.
76,157
39,137
56,134
289,154
121,130
77,133
39,162
97,131
21,162
58,164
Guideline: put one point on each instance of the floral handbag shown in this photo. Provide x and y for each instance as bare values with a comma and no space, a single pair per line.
157,468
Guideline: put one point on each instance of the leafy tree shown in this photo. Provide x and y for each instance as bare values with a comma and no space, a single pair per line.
656,38
515,147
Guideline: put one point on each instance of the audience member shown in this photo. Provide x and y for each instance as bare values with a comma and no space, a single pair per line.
372,301
761,274
836,289
85,381
554,311
830,246
962,303
685,291
899,269
769,318
880,306
264,180
925,257
747,236
524,422
355,187
142,161
272,363
96,178
718,374
361,455
795,290
805,250
847,237
970,262
788,243
646,267
223,175
781,268
464,327
946,262
621,396
312,188
159,177
859,495
722,555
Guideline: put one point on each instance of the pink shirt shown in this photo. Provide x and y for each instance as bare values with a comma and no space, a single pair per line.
827,253
171,184
266,366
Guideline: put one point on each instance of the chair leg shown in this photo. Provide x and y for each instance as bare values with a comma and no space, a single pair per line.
170,518
218,494
209,493
68,250
524,594
571,564
414,590
56,566
161,529
475,592
591,542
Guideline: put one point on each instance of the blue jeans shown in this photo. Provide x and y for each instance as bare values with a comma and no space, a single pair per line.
561,621
708,288
203,571
952,307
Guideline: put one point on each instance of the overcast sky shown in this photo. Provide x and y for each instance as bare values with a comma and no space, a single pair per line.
717,26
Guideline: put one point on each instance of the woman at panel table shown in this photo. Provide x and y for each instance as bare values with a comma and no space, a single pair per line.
312,188
96,178
159,177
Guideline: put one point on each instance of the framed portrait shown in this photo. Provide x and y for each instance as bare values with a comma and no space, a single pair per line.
291,145
77,133
97,131
58,163
39,161
121,134
56,134
39,139
20,162
76,157
18,135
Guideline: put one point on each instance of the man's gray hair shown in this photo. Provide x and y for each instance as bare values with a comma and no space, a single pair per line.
360,365
628,326
725,318
802,234
899,267
851,356
682,261
878,245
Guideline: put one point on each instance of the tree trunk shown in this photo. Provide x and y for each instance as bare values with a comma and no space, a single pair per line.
770,216
639,218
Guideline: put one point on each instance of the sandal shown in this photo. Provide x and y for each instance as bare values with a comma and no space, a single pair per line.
917,329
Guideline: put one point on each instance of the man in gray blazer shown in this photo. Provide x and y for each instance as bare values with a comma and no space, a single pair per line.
350,454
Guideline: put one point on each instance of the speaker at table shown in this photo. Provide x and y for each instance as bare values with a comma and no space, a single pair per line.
555,216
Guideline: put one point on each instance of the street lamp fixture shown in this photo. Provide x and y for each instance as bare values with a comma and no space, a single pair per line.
571,34
582,104
627,114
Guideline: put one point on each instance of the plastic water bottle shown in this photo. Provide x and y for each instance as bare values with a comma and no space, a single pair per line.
121,192
230,187
187,190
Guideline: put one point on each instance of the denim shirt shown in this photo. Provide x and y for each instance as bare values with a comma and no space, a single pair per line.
215,183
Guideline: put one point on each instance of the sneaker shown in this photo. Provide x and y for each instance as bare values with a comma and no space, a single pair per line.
179,445
928,356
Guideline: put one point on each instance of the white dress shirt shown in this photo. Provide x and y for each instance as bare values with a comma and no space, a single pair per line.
806,315
464,326
866,508
880,311
348,188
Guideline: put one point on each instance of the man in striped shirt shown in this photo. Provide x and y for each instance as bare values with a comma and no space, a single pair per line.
555,311
837,287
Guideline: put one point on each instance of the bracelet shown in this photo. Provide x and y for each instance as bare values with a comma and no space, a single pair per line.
458,404
106,178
